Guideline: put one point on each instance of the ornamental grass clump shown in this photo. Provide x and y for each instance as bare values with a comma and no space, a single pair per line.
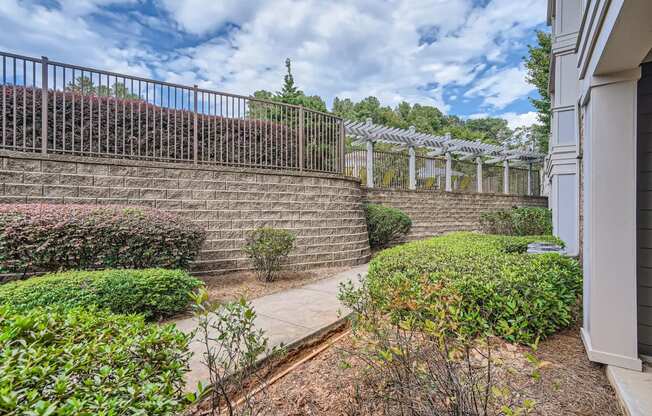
153,293
89,362
488,285
50,237
267,248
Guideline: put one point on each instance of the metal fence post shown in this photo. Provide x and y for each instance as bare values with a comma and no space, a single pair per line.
478,160
370,164
44,104
449,171
195,141
412,167
342,144
529,179
301,139
506,177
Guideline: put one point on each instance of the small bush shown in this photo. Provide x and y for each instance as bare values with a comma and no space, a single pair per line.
154,293
385,224
41,238
486,284
233,366
517,221
89,362
267,248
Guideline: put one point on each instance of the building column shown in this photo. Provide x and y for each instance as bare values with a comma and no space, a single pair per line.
478,161
506,177
370,164
609,329
449,171
412,168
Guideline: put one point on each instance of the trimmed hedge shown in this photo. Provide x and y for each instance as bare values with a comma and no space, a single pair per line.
517,221
48,237
385,224
89,362
154,293
475,284
135,128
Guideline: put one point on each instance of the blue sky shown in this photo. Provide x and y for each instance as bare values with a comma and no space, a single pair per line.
464,56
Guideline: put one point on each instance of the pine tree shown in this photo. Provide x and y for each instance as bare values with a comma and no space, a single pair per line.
289,93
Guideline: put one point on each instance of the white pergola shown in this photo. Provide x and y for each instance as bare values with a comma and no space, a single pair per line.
368,133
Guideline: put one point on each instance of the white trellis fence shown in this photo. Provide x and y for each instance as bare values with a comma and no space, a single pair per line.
451,164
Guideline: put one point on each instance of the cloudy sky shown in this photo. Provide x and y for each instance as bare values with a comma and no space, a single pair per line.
464,56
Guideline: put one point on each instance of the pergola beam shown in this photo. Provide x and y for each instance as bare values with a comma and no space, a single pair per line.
483,153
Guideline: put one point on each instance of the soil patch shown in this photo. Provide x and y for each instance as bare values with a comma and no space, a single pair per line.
569,383
232,286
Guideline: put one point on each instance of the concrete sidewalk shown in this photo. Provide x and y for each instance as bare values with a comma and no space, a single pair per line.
286,317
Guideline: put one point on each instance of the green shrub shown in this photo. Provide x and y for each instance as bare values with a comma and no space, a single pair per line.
154,293
89,362
42,238
517,221
267,248
385,224
475,284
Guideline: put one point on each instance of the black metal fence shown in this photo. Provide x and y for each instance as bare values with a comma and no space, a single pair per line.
53,107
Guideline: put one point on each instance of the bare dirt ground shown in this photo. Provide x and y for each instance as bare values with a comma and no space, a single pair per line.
232,286
569,383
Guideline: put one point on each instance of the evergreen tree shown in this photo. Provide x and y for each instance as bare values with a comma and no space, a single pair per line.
289,93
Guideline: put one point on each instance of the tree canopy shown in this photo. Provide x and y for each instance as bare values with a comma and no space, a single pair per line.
538,73
425,118
290,94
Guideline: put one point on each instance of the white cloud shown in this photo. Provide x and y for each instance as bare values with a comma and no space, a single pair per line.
414,50
201,16
67,37
501,87
515,120
360,48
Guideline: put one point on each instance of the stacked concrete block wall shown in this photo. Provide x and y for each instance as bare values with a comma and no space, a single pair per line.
434,213
324,211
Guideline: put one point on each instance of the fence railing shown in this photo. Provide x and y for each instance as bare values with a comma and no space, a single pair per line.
392,171
53,107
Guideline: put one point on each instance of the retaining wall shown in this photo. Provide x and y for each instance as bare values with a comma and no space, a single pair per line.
324,211
434,212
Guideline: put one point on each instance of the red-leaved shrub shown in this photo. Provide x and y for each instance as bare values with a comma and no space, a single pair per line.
49,237
101,125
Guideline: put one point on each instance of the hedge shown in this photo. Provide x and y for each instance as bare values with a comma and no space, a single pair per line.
154,293
475,284
385,224
49,237
140,129
517,221
89,362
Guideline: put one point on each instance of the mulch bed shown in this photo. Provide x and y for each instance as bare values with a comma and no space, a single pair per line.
232,286
569,385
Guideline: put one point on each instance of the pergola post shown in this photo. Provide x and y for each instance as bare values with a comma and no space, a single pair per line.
449,170
506,176
412,168
478,161
529,179
370,164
